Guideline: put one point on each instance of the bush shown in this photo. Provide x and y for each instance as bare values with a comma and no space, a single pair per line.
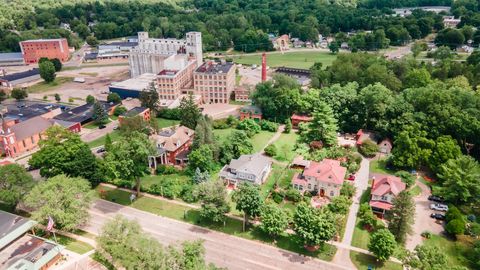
271,150
45,97
453,213
268,126
347,190
278,196
406,177
456,227
119,110
164,169
114,98
168,188
172,114
19,94
340,204
220,124
232,121
90,99
293,195
368,148
71,100
187,194
426,234
250,126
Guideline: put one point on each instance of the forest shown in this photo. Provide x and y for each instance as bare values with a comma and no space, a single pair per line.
244,24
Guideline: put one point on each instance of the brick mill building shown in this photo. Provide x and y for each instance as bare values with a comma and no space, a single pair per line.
173,146
215,81
35,49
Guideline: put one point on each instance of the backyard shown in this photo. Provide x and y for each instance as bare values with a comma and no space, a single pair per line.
285,145
295,59
259,140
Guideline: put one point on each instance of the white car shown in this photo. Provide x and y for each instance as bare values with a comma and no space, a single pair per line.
439,207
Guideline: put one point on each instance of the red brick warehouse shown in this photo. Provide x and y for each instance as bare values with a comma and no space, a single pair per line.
35,49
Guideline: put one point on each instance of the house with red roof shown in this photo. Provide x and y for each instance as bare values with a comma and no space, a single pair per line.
384,189
324,178
300,118
385,145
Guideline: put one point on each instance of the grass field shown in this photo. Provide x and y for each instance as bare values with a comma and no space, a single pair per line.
454,250
361,237
114,135
163,123
285,145
44,86
150,180
363,261
290,59
258,141
379,166
232,226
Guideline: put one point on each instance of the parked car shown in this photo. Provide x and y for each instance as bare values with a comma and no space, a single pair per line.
352,177
437,216
102,127
439,207
101,150
436,198
115,127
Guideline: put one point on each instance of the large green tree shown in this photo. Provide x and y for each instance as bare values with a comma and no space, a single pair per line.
190,112
460,180
236,144
382,244
100,115
213,199
203,132
402,216
201,158
65,199
313,226
445,148
426,258
248,200
63,152
149,98
323,127
47,71
274,219
412,148
128,158
15,182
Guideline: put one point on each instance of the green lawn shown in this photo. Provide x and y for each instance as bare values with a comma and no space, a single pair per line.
44,86
289,59
232,226
285,145
363,261
93,125
149,180
280,175
114,135
454,250
379,166
361,237
258,140
163,123
69,243
415,191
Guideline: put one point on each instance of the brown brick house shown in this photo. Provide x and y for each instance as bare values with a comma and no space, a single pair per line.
173,146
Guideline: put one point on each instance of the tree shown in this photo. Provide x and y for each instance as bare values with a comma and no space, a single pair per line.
250,126
426,258
271,150
248,200
382,244
190,112
288,126
412,148
92,41
134,124
108,142
366,215
274,220
418,47
119,110
149,98
334,47
368,148
213,199
114,98
456,226
90,99
128,158
57,64
406,177
47,71
100,116
15,182
460,180
323,127
64,152
313,226
19,94
200,176
348,190
340,205
236,144
445,148
203,132
57,97
201,158
402,215
418,77
74,193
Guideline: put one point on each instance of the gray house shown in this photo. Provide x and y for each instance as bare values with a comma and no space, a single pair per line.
247,168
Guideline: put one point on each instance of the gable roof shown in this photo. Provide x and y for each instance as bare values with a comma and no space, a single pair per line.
21,75
387,184
328,170
30,127
251,164
12,227
173,138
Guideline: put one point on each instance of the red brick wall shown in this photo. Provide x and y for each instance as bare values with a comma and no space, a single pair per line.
34,50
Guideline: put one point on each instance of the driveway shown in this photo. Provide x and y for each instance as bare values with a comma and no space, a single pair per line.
89,135
221,249
423,222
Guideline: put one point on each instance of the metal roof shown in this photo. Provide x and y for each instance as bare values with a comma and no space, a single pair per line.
21,75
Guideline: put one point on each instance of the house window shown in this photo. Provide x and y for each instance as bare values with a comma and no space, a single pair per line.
300,187
384,198
32,139
332,193
295,186
24,144
309,186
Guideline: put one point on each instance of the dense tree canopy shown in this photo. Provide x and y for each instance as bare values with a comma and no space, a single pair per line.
15,182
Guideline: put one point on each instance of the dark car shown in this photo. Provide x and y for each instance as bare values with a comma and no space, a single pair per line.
434,198
102,126
101,150
437,216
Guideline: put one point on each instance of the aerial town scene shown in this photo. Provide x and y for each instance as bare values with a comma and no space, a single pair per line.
240,134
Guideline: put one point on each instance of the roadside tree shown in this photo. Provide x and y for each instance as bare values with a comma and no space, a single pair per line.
248,200
149,98
100,116
382,244
213,198
274,220
313,226
47,71
15,182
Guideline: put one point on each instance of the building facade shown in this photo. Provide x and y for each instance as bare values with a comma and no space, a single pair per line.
134,112
173,146
150,54
324,178
251,112
176,79
253,169
35,49
384,189
214,81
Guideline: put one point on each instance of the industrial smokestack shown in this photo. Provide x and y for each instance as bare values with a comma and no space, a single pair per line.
264,67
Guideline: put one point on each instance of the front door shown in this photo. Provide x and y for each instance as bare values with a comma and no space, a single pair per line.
322,192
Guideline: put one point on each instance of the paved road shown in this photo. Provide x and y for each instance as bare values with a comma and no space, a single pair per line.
89,135
361,183
221,249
